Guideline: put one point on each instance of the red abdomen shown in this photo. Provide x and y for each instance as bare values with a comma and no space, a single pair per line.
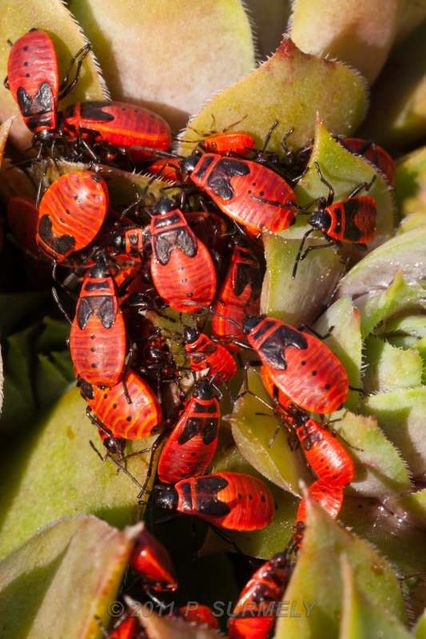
353,220
208,356
300,365
327,457
128,420
236,142
374,153
33,79
231,500
181,266
238,297
71,213
98,336
192,444
152,561
247,192
328,496
255,612
118,124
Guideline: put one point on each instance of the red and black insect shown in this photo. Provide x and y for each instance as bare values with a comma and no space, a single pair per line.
230,500
329,497
71,213
238,297
193,441
181,266
250,194
207,356
33,79
119,125
198,614
152,561
228,143
98,335
128,410
256,611
374,153
348,221
299,364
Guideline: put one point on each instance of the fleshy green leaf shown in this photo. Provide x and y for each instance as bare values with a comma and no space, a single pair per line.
379,468
404,253
298,300
62,578
56,474
396,117
361,620
401,415
316,581
410,188
322,27
263,441
411,507
420,630
53,17
290,87
342,321
169,56
384,361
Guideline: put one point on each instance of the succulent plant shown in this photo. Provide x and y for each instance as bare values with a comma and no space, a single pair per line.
69,521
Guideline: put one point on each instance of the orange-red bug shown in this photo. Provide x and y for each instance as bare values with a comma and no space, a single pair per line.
299,364
230,500
130,241
199,614
348,221
71,213
238,297
181,266
326,456
119,125
207,356
33,79
258,604
193,441
329,496
129,409
152,561
98,335
229,142
374,153
22,217
247,192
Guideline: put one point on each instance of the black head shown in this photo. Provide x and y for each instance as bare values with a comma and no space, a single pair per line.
86,389
113,445
190,334
203,389
100,268
189,163
163,206
320,220
251,322
165,497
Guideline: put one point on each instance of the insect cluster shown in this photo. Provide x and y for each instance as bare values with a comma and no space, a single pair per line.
194,255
